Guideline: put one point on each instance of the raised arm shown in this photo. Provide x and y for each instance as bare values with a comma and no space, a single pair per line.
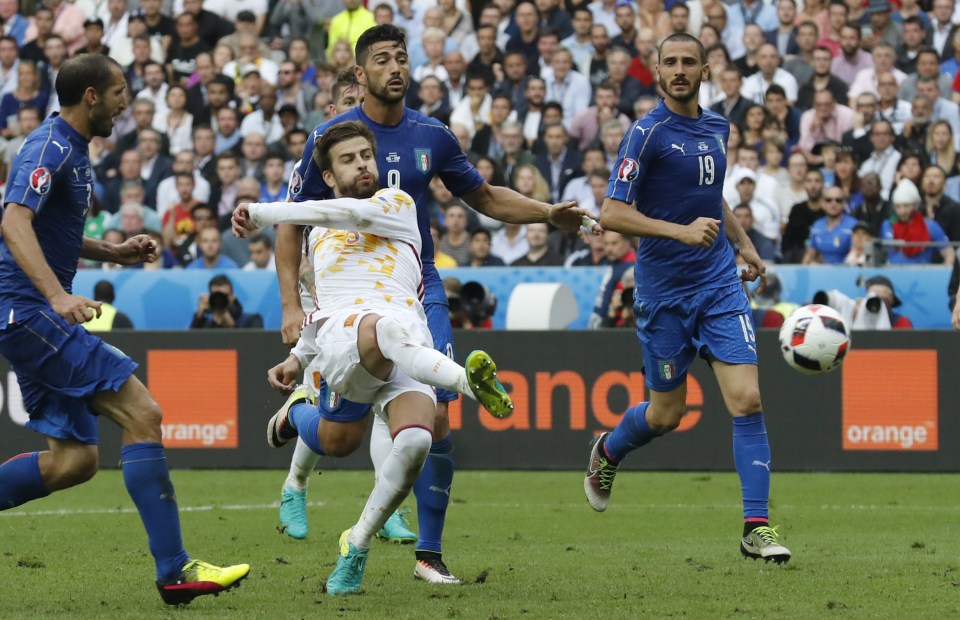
507,205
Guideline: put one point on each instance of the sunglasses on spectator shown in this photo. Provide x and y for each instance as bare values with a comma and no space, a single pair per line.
832,199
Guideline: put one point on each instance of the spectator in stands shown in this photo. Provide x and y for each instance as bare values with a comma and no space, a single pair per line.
223,197
182,54
913,37
514,80
584,189
625,15
129,170
433,103
27,94
253,149
211,92
802,216
93,33
937,206
349,24
204,141
867,80
874,209
858,138
109,318
211,257
131,220
852,58
753,40
455,83
765,219
755,86
187,248
539,253
845,177
611,135
884,158
292,90
456,238
910,167
711,90
210,26
892,108
178,220
559,164
800,65
793,191
733,107
15,25
220,308
531,116
942,29
594,255
910,226
600,39
822,79
928,68
440,259
618,65
176,123
837,16
731,37
227,136
567,87
787,116
621,256
943,108
514,153
273,189
860,243
527,20
40,29
827,120
885,30
474,111
784,36
766,248
261,254
28,119
831,235
155,166
941,148
480,244
579,43
9,63
487,141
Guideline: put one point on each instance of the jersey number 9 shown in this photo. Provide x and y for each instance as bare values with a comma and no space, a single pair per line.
708,170
393,179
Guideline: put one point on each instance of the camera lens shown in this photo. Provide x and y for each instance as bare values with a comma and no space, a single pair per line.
626,297
873,304
219,301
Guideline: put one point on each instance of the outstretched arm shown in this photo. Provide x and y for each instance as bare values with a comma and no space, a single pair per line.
288,260
623,218
507,205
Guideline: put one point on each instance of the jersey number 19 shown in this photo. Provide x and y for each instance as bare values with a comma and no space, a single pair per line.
708,170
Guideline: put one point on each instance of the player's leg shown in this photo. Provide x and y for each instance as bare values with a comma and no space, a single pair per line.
329,426
666,361
728,338
397,528
411,416
33,475
147,478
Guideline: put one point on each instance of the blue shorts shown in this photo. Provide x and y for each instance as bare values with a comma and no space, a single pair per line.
335,408
716,323
59,368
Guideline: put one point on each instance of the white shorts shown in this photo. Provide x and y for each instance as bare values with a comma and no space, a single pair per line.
338,359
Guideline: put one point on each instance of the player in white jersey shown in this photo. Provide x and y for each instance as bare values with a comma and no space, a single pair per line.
368,337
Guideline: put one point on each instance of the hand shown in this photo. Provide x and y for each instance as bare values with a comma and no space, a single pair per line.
137,249
75,309
605,114
589,226
292,324
754,267
283,376
241,221
497,72
224,319
203,304
566,216
701,232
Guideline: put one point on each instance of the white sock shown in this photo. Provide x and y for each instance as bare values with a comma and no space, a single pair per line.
301,466
381,443
397,475
420,363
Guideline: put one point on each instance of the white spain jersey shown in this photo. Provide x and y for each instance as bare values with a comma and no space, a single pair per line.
365,252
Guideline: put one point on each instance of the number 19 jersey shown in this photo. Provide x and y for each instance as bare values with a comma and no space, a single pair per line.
672,168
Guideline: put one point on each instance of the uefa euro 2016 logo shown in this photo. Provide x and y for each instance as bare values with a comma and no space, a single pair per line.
40,180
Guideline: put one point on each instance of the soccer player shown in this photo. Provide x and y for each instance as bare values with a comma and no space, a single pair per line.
688,297
68,376
368,336
412,149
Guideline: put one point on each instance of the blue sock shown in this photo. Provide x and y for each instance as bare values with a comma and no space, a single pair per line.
633,432
147,479
432,490
20,480
306,419
751,454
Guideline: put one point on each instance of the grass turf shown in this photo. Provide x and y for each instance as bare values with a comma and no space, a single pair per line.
526,545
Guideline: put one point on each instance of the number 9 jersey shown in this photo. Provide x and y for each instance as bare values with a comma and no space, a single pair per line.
672,168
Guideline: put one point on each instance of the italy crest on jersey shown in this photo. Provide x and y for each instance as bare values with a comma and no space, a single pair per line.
424,158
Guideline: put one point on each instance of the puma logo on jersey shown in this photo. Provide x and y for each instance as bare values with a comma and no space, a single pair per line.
60,146
762,464
679,148
642,131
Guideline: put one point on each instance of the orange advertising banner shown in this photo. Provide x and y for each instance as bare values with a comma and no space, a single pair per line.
197,392
890,400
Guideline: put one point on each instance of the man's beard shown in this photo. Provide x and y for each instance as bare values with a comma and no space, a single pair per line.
693,94
356,189
383,95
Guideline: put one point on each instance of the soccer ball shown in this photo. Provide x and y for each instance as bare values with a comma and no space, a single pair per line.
814,339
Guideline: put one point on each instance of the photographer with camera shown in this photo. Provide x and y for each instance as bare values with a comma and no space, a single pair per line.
219,308
872,311
471,304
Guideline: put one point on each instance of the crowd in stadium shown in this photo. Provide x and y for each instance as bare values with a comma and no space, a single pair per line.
844,120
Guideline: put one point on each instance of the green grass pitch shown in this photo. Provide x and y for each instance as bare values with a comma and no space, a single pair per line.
525,544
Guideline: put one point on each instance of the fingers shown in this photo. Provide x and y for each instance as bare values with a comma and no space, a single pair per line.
290,334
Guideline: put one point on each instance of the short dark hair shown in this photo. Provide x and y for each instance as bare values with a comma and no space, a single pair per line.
377,34
81,72
915,20
345,79
775,89
683,37
220,279
261,238
103,291
30,108
337,134
481,231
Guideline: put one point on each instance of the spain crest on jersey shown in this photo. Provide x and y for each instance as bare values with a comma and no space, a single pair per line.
424,159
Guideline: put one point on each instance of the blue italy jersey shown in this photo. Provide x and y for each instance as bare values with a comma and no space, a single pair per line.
408,156
51,176
672,168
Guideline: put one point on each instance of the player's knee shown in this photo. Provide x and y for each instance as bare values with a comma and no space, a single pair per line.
746,401
665,418
339,440
79,467
412,445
